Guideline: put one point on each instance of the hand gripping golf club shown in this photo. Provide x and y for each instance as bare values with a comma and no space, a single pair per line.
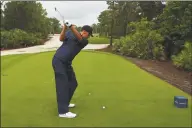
60,15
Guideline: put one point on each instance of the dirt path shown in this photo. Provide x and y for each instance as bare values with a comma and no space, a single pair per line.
167,72
50,45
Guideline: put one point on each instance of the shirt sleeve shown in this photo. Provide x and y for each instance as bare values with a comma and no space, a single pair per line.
83,42
69,35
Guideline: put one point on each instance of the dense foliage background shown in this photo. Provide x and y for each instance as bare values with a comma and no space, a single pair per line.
149,30
25,23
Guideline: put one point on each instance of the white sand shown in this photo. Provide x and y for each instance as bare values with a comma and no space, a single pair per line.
50,45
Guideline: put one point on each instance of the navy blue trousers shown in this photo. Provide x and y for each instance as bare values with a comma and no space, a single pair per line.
66,84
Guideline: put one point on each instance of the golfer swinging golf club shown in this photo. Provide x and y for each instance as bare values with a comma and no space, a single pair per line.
65,79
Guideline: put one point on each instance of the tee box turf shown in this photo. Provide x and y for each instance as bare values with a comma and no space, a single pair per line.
180,101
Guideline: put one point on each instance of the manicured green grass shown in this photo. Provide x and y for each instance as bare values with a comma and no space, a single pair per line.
132,96
99,40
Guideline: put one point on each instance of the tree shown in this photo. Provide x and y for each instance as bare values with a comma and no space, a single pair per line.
151,9
2,17
54,25
175,24
94,26
120,13
26,15
112,20
105,22
124,12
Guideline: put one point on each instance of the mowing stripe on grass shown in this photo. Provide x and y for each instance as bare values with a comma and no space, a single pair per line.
132,96
11,60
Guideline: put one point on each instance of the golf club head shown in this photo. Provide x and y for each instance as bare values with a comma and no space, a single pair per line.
55,9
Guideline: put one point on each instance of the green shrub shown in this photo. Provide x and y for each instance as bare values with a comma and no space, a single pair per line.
38,35
184,58
17,38
143,43
117,44
6,42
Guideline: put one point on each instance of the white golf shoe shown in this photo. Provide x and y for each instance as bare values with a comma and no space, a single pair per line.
68,115
71,105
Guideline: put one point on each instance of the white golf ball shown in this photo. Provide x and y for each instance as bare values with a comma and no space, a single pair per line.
103,107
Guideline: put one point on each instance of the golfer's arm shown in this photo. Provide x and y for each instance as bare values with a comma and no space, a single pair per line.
62,34
76,33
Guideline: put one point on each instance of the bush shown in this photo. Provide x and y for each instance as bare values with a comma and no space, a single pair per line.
18,38
6,42
38,35
118,44
184,59
143,43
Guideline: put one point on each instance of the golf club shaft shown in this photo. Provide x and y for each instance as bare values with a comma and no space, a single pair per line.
60,15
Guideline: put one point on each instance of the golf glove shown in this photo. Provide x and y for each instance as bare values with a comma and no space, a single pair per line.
68,24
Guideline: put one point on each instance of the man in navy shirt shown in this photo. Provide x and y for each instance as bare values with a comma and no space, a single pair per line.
66,83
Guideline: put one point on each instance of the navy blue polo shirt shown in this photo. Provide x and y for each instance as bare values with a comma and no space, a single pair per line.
70,47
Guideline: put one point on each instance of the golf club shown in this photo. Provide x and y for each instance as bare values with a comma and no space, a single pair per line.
60,15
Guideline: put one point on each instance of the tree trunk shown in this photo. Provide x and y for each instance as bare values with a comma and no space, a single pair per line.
112,22
125,28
